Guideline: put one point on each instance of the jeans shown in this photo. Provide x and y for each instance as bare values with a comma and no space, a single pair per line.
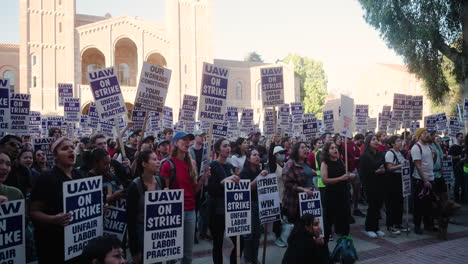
252,240
189,232
203,220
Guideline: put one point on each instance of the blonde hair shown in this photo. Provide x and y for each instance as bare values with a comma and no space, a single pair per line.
188,160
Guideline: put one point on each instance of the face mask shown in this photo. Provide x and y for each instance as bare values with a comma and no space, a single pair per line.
280,157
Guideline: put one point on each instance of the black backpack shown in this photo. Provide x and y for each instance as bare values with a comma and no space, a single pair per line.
172,176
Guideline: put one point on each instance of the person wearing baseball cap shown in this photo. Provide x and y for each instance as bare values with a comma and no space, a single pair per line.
180,165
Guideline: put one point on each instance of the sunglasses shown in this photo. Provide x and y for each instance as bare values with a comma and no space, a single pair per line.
15,144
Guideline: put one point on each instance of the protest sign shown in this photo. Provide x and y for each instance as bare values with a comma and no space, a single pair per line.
19,113
4,105
154,123
447,169
107,93
362,113
54,122
34,122
283,116
407,114
83,121
138,117
269,123
233,121
71,108
406,178
346,116
268,198
213,93
272,86
167,117
12,232
247,118
219,131
430,122
83,200
65,90
399,105
328,121
372,124
163,226
107,127
237,208
312,205
417,107
297,111
414,126
189,108
115,219
455,126
93,116
152,88
309,126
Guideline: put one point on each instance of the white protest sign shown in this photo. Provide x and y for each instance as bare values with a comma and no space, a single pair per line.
346,116
163,226
54,122
247,118
447,169
269,123
219,131
237,208
4,105
71,108
138,117
362,113
283,116
152,88
19,113
312,205
115,219
93,116
407,114
107,127
154,122
309,126
44,145
65,90
107,93
189,108
417,107
167,118
406,178
268,198
34,122
328,121
414,126
272,86
12,232
399,105
213,93
83,200
455,126
372,124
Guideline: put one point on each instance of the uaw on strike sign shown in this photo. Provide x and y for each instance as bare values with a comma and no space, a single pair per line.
272,86
213,93
107,94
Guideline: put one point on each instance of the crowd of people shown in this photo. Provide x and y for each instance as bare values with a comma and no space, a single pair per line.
365,169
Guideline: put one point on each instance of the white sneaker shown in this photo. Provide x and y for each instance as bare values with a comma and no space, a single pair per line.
394,230
280,243
370,234
380,233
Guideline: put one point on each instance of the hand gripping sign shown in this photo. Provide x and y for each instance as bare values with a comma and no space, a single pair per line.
311,205
12,233
237,208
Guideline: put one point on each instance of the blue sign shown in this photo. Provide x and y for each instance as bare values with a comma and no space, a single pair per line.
237,208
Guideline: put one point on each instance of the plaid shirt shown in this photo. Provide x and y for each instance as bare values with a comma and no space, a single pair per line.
293,177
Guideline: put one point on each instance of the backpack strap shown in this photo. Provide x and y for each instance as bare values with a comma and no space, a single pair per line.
172,176
395,159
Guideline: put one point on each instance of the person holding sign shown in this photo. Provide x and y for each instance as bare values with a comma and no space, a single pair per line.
221,171
305,243
371,167
252,169
336,198
394,198
294,179
7,193
47,203
182,174
146,180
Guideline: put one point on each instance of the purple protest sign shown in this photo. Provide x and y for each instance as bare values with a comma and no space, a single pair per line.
213,93
272,86
65,90
71,108
19,113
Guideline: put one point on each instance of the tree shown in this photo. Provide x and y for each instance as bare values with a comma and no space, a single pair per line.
423,32
253,57
313,82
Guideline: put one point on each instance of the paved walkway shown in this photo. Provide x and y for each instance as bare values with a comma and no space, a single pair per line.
403,248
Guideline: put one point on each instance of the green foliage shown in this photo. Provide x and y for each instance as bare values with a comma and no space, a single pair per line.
253,57
423,32
313,82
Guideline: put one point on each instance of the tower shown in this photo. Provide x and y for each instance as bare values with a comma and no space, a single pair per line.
189,24
47,47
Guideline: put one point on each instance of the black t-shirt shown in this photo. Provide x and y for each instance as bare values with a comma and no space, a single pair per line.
248,174
198,157
19,177
130,152
456,150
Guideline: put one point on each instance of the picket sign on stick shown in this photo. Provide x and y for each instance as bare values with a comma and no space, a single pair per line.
119,138
210,136
143,130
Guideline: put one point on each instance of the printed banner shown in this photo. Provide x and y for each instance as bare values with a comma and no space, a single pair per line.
168,119
12,233
447,169
272,86
83,200
312,206
406,178
4,105
107,93
65,90
213,93
189,108
152,88
115,219
71,108
417,107
268,198
164,229
19,113
237,208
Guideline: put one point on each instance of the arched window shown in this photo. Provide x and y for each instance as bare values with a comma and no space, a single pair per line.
124,74
11,76
239,90
259,91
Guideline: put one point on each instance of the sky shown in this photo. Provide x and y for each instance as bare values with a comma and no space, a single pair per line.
333,32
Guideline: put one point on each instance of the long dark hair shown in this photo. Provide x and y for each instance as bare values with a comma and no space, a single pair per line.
325,154
295,151
367,147
237,150
247,158
97,155
300,226
143,156
217,145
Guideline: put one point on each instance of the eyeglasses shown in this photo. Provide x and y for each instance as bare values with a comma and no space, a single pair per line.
15,144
